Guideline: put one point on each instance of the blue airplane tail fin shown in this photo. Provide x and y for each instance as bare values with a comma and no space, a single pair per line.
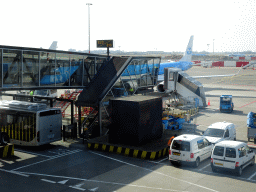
188,53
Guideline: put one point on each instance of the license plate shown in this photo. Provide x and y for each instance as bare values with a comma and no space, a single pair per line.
176,154
218,164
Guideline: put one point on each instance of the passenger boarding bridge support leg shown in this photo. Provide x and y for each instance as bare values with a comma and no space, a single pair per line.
72,112
51,102
79,121
100,124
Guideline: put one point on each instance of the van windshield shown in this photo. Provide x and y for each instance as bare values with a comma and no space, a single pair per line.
212,132
181,145
40,92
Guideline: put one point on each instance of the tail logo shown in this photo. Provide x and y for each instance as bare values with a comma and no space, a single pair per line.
189,51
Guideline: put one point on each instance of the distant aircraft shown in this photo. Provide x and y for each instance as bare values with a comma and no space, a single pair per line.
53,45
184,64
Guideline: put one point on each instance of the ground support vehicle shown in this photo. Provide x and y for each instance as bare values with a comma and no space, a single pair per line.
231,155
226,104
173,123
189,149
220,131
251,126
30,124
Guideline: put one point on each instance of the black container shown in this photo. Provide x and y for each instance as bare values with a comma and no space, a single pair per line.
136,120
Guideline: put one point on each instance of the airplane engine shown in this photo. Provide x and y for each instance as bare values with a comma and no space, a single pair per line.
160,87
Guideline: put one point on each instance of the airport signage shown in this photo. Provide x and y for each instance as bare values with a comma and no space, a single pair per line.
104,43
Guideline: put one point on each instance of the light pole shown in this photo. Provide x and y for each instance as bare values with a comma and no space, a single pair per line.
213,45
89,23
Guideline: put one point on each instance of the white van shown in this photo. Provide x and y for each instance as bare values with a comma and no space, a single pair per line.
232,155
46,92
189,149
220,131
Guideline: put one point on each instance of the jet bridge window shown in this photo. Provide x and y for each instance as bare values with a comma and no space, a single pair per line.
171,76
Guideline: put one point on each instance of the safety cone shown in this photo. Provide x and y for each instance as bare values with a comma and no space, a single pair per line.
209,103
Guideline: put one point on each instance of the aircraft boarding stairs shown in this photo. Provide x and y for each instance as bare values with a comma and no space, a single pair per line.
181,83
93,94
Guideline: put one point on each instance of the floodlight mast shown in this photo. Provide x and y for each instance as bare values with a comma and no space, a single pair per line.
89,23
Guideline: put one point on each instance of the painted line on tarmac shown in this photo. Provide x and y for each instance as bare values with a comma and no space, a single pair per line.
54,157
49,181
247,104
15,172
162,160
250,178
155,172
97,181
204,167
230,176
32,153
74,187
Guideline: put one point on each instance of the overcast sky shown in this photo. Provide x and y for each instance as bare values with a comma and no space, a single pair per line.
134,25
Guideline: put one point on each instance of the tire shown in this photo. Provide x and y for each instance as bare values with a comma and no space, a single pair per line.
239,171
253,161
175,163
4,139
214,169
197,163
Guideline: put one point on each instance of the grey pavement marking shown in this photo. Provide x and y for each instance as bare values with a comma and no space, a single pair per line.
97,181
162,160
14,172
77,188
49,181
154,172
32,153
54,157
250,178
204,167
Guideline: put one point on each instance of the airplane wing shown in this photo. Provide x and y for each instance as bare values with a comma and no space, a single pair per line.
161,77
228,75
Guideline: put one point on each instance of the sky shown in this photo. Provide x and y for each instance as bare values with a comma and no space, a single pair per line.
134,25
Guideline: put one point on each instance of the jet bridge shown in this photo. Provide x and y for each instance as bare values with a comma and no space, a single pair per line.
181,83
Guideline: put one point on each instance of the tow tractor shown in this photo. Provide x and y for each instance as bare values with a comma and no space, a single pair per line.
226,104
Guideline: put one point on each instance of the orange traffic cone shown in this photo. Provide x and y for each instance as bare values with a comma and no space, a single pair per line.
209,103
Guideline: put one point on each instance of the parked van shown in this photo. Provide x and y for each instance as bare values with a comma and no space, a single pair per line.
189,149
220,131
46,92
232,155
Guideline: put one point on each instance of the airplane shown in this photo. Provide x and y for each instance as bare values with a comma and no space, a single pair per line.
54,45
184,64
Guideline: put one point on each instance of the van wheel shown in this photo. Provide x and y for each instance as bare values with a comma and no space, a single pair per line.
197,162
4,139
214,169
253,161
239,171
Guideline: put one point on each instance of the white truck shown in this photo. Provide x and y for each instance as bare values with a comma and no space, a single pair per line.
220,131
